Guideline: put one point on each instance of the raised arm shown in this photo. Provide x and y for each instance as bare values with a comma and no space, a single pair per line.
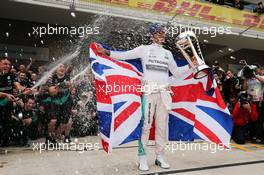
260,78
175,70
29,65
127,55
122,55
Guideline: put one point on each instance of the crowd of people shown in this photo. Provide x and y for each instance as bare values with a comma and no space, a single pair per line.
243,93
58,109
54,109
239,4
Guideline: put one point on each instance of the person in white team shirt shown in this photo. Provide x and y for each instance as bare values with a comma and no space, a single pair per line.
255,88
156,62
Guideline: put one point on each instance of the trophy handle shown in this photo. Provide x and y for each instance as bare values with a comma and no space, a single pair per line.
184,42
185,55
198,58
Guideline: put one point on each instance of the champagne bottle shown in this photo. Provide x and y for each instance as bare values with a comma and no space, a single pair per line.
20,95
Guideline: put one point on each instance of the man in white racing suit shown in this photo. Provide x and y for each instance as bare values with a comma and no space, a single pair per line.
156,62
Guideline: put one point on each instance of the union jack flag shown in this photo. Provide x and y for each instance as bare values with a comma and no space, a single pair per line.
198,108
199,112
119,111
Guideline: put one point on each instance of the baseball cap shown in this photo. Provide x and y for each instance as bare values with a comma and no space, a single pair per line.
155,28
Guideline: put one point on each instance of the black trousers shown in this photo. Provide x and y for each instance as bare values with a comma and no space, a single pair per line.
5,124
260,133
241,134
259,128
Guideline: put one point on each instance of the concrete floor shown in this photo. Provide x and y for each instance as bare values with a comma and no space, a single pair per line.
245,160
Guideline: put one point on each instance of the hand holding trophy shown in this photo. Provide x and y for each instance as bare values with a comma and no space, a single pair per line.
189,46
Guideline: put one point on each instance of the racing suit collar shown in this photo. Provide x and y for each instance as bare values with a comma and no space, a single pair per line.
157,45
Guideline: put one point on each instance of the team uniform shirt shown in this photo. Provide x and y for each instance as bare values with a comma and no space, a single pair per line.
55,80
255,88
59,106
156,62
24,114
63,91
25,83
6,86
31,83
7,83
6,107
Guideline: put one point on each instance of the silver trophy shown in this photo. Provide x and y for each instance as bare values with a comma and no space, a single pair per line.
189,46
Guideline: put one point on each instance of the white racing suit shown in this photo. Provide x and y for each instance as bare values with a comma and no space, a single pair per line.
155,104
156,62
